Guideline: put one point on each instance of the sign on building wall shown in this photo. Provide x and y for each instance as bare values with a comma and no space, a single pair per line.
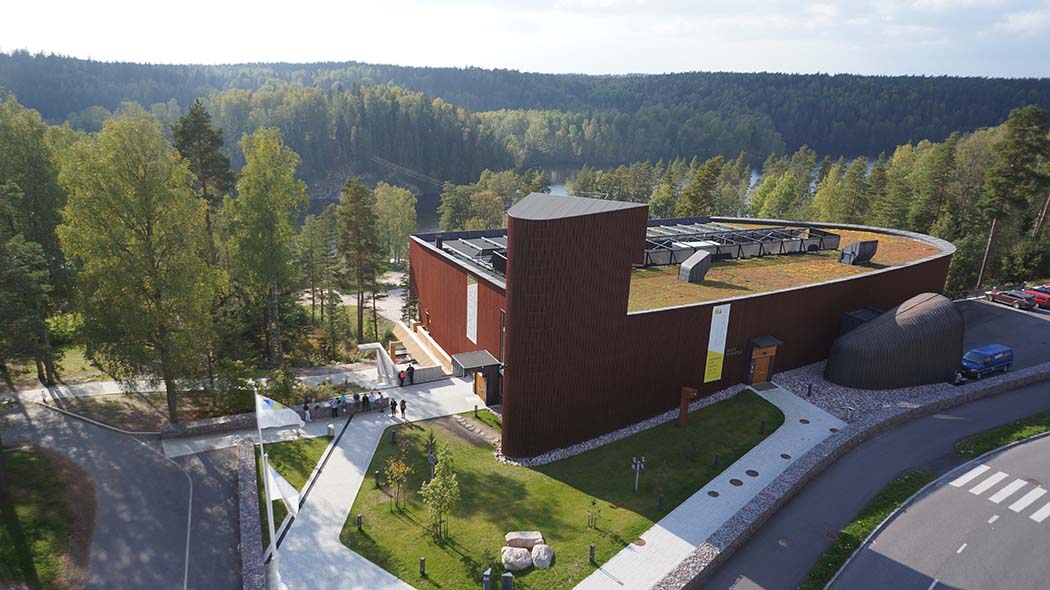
472,309
716,343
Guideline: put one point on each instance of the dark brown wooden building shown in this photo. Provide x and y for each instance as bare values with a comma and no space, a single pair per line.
549,298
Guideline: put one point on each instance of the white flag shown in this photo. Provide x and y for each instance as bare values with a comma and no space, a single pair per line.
273,414
287,491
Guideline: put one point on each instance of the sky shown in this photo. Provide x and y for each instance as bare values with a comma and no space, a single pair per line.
1007,38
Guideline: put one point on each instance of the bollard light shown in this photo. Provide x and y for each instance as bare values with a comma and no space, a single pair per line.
475,410
660,502
717,460
762,427
592,552
486,580
507,581
422,566
359,519
377,478
393,436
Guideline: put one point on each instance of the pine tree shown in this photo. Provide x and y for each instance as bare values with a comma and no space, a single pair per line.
358,242
201,145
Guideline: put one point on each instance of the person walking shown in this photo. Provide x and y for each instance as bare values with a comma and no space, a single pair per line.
401,378
335,408
393,408
306,413
410,372
403,405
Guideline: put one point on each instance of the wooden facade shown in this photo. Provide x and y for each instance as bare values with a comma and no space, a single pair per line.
578,365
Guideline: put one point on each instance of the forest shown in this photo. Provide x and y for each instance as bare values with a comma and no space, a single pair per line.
449,124
162,219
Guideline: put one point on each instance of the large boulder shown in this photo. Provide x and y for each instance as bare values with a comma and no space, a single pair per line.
515,559
542,556
524,539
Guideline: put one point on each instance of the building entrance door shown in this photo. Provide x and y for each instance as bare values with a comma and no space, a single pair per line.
763,359
760,373
480,388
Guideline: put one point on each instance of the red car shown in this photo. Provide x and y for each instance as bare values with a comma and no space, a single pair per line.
1015,299
1041,294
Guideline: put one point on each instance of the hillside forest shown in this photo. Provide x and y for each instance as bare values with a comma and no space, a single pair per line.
180,244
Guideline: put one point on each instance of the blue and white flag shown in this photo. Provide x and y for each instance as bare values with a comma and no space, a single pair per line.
273,414
287,491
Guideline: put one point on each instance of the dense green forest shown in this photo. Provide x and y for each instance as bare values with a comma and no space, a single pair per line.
450,123
170,241
158,260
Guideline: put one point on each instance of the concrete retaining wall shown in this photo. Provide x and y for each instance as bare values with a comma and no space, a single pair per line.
694,571
253,573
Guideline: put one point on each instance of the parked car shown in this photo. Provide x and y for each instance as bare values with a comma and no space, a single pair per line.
980,361
1016,299
1041,294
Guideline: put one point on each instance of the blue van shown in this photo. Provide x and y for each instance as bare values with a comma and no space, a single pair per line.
986,359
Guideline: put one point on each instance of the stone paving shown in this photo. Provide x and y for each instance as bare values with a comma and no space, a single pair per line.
679,534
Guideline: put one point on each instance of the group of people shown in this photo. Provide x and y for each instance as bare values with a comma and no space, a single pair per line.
359,402
409,373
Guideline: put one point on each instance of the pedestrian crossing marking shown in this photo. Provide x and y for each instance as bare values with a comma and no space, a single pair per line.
987,484
1041,514
1027,499
1010,489
984,484
969,475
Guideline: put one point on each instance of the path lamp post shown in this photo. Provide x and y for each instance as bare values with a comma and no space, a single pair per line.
637,465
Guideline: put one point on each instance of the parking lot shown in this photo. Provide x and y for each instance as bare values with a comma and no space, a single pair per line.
1027,332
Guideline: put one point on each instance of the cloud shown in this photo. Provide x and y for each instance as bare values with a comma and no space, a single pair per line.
972,37
1027,23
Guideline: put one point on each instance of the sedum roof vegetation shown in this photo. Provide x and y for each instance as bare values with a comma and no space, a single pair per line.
657,287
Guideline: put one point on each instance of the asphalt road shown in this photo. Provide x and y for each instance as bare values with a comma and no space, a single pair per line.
139,540
981,529
1027,332
783,551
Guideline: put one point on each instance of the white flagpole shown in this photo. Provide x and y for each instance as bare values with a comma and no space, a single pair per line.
266,489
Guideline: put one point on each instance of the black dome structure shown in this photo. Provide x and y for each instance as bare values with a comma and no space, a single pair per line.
916,343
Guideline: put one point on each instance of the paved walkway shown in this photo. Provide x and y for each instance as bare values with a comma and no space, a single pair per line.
363,377
686,527
311,556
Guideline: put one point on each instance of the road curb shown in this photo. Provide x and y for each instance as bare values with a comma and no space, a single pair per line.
939,482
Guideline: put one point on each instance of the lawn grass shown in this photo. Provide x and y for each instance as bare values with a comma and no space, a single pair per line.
70,363
554,499
979,444
45,535
295,461
851,537
490,419
658,286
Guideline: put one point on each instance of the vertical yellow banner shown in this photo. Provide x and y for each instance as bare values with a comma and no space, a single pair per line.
716,343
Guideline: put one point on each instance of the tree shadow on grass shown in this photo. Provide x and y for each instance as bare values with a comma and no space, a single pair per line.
17,535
